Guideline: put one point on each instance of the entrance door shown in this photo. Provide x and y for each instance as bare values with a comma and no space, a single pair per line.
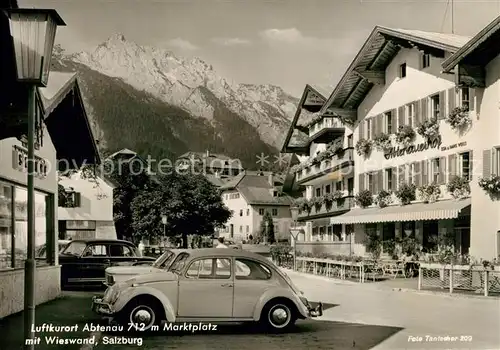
212,278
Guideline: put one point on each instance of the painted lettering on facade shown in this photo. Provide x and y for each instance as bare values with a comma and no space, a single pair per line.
395,152
456,145
20,162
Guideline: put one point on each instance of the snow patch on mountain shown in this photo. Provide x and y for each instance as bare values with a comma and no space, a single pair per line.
176,81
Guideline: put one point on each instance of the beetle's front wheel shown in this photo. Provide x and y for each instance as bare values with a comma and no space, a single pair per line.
140,316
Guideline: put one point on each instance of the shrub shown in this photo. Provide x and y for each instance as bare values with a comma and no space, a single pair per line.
458,187
406,193
429,193
459,118
364,199
382,142
363,147
429,129
383,199
405,135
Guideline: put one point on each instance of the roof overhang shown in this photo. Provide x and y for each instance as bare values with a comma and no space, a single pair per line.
368,67
67,122
469,61
312,100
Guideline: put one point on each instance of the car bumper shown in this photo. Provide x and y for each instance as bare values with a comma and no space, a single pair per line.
314,311
100,307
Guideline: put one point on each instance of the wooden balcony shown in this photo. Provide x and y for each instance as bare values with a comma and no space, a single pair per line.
338,207
327,166
326,130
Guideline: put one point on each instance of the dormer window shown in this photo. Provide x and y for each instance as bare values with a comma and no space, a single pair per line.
402,70
426,60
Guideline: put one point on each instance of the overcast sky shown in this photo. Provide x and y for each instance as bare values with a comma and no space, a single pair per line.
286,43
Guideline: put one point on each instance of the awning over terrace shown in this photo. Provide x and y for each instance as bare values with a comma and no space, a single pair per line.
441,210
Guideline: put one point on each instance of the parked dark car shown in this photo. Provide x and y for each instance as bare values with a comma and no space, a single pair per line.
83,262
41,251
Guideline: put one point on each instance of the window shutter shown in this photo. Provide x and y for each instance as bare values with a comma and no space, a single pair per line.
472,98
452,103
401,117
380,124
425,173
394,179
442,169
380,181
442,101
487,163
361,184
401,175
452,166
471,166
361,131
416,173
420,60
394,120
416,109
374,127
423,109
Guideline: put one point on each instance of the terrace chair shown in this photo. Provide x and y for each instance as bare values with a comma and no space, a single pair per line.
395,269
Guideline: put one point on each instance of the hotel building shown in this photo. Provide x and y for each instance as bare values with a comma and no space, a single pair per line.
421,111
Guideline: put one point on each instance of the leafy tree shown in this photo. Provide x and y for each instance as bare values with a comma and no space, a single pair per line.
131,179
267,231
191,203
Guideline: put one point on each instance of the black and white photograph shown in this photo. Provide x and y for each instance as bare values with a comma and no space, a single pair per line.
250,174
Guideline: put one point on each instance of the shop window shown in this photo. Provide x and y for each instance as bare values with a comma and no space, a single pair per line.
410,114
408,228
337,232
5,226
329,233
388,122
465,165
388,234
402,70
21,225
435,103
430,236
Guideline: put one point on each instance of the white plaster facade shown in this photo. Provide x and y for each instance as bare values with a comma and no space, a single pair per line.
93,217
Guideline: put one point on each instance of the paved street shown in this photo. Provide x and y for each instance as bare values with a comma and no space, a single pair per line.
359,317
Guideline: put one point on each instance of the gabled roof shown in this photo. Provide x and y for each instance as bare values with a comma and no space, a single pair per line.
377,52
66,118
124,151
256,189
484,45
213,159
312,100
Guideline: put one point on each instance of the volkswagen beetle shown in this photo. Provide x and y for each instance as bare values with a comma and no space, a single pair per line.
211,285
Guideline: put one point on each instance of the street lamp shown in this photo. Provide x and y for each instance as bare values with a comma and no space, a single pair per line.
294,211
33,33
164,220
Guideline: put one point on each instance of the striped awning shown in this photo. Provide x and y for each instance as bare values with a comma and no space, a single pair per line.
441,210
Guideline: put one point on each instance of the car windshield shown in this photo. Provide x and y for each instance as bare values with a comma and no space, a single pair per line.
164,260
178,263
74,248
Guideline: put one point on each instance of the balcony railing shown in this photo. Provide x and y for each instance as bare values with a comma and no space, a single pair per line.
330,164
325,123
340,205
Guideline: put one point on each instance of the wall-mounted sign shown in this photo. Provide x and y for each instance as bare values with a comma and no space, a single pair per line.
394,152
456,145
20,162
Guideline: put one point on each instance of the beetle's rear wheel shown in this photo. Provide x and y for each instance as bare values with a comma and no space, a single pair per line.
279,315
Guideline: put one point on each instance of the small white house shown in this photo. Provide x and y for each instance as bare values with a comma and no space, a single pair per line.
88,211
